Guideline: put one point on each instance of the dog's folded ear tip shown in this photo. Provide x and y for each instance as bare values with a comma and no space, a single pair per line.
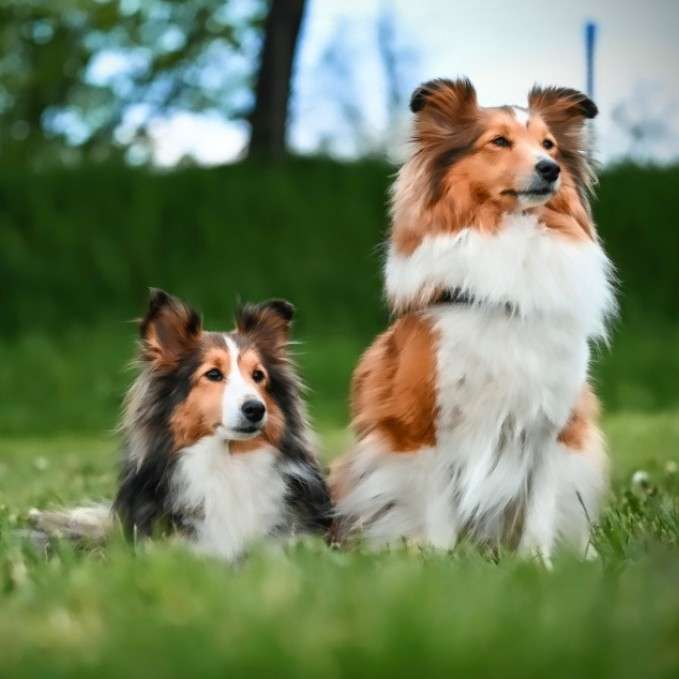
276,314
589,108
282,307
578,102
158,297
169,315
157,292
462,88
418,99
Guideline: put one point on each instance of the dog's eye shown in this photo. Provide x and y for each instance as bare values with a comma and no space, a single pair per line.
502,142
258,375
214,375
548,144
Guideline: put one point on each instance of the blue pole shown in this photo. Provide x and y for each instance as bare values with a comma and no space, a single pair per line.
590,44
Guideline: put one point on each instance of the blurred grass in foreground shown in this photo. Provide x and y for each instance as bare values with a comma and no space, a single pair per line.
311,611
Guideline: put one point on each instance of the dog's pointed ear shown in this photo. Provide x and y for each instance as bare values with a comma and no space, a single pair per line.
267,323
169,329
442,93
444,101
561,106
446,113
565,112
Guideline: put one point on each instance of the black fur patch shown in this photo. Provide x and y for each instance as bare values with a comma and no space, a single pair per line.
308,500
580,102
589,108
282,307
143,501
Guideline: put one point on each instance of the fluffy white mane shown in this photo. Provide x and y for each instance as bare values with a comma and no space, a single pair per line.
525,266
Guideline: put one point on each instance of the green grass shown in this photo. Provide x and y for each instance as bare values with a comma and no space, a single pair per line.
311,611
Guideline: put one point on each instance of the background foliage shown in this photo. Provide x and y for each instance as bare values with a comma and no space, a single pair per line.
60,102
80,247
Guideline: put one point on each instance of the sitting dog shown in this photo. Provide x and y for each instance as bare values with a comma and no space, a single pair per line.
473,414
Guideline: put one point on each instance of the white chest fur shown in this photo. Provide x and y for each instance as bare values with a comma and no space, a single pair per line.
509,369
525,264
505,387
491,366
234,499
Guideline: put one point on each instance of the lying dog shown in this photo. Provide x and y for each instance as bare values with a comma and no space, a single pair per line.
216,444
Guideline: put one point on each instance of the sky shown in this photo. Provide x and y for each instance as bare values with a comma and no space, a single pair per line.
503,46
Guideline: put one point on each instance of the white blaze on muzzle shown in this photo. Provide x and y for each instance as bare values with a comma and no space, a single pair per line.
238,391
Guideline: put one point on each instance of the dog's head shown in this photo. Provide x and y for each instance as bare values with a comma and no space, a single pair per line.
200,383
472,164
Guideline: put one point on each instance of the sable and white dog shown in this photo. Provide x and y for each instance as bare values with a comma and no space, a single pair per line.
473,415
216,444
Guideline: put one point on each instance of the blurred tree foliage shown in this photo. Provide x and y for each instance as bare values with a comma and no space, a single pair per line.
83,79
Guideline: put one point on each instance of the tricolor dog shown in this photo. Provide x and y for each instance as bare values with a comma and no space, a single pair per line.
216,444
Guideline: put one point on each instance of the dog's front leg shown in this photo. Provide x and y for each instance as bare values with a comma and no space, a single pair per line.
540,529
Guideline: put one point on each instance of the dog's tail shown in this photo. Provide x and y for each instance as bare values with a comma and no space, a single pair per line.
90,523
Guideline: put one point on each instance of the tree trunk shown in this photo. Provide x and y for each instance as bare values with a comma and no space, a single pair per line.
269,117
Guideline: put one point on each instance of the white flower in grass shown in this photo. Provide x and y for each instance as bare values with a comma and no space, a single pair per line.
41,463
641,480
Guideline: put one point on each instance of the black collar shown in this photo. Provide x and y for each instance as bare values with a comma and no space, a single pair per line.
453,296
460,297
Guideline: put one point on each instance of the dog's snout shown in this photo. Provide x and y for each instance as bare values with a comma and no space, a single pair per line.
548,170
253,410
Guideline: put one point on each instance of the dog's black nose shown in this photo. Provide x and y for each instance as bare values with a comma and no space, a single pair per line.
253,411
548,170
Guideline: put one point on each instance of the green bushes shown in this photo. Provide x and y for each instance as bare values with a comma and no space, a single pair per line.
83,246
79,248
636,213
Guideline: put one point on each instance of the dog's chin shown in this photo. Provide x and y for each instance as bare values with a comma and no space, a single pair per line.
244,433
529,199
535,194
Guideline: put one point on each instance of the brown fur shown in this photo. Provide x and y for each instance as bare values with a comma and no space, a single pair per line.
583,422
169,329
458,178
393,391
564,111
201,412
267,325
